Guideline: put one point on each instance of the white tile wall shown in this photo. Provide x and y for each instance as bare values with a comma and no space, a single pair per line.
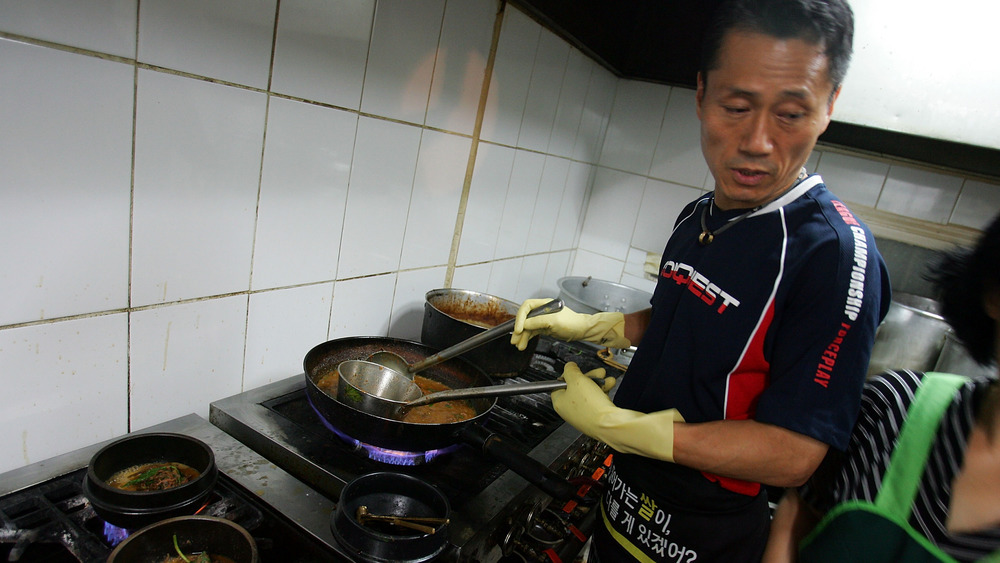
401,58
224,39
484,211
259,207
515,224
677,157
105,26
854,179
572,98
475,276
661,203
546,79
434,201
303,193
197,170
362,306
65,385
321,50
596,114
408,301
511,78
457,84
977,204
636,120
385,157
611,213
282,325
184,356
913,192
545,213
65,153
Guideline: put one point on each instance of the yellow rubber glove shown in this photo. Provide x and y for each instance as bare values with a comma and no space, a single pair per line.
606,329
587,408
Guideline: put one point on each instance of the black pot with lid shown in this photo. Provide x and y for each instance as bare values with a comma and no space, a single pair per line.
134,509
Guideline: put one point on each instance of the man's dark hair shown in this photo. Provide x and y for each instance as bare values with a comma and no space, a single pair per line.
829,23
963,280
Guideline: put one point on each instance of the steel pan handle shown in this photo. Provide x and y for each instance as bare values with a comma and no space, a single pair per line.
494,446
483,337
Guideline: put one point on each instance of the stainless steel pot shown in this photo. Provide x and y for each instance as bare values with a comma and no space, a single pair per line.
454,315
911,336
589,295
954,358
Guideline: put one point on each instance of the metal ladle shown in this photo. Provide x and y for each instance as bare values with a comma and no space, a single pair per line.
384,392
396,362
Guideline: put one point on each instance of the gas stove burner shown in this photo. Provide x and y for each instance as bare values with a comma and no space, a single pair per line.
115,535
385,455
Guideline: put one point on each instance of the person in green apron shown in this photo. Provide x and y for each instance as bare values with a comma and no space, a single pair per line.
920,480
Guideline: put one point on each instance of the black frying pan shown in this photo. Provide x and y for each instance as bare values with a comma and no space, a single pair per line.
407,436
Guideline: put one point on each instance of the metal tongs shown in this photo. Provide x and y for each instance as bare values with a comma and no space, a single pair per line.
413,522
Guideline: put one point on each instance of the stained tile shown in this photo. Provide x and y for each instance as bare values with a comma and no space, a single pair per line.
195,347
65,387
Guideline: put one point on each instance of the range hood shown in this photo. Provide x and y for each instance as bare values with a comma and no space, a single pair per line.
659,41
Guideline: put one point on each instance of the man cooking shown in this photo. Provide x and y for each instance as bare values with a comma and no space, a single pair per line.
751,360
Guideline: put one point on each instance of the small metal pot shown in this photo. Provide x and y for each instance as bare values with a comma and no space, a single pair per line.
395,494
588,295
193,534
454,315
135,509
910,337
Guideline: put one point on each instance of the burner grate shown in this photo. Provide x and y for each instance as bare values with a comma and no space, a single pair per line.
53,522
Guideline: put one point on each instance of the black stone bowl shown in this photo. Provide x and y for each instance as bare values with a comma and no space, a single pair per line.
135,509
395,494
194,534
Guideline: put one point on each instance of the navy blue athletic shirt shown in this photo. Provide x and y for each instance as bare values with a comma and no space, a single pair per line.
773,321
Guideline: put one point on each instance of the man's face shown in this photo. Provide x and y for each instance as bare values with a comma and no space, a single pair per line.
761,112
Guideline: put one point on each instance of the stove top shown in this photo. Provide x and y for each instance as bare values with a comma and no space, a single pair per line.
282,470
44,516
277,421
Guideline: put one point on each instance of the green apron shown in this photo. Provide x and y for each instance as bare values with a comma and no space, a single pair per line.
861,531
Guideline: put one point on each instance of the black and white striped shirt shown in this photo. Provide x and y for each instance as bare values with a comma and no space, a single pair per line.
857,475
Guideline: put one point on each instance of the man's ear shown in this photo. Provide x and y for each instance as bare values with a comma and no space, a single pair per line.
699,94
